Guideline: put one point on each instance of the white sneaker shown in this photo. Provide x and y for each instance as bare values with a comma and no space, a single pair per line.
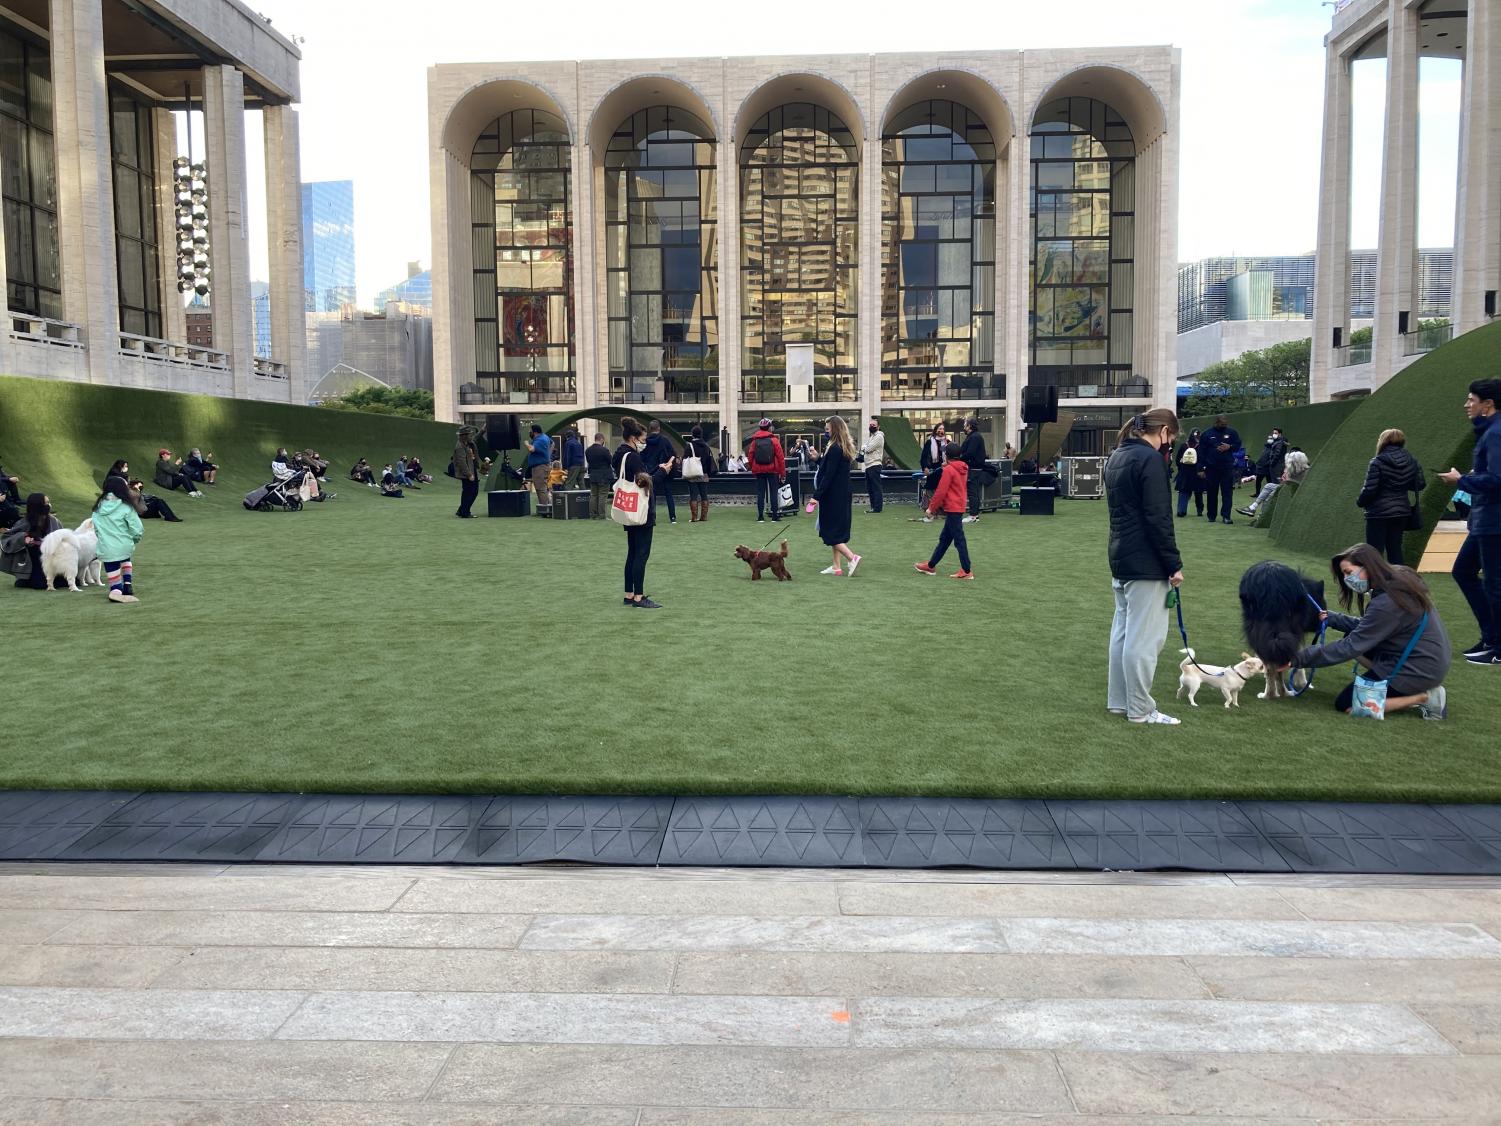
927,519
855,562
831,571
969,520
1436,707
1158,717
195,493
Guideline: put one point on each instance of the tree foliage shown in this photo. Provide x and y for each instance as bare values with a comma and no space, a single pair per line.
1271,377
399,401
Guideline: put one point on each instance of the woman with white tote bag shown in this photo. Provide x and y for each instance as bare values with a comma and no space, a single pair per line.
631,506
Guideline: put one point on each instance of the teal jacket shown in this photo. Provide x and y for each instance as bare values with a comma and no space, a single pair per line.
118,528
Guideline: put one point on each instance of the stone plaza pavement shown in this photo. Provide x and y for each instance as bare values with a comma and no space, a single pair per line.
204,994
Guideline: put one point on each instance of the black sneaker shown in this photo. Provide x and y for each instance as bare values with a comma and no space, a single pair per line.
648,604
1227,520
1489,657
1478,648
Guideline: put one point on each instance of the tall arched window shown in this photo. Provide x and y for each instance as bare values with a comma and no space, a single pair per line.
938,255
800,225
1083,249
661,253
523,260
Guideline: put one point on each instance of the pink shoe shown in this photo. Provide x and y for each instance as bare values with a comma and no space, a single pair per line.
924,569
855,562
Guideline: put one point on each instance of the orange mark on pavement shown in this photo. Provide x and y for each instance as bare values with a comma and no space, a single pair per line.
841,1016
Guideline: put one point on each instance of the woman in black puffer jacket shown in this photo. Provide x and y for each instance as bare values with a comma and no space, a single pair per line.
1387,495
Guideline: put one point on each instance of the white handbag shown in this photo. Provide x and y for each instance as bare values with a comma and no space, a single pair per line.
1190,456
631,504
784,495
693,465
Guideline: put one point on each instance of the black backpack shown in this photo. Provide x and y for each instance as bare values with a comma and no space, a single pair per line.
763,452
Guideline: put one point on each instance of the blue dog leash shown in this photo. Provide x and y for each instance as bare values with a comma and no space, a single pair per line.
1177,598
1323,629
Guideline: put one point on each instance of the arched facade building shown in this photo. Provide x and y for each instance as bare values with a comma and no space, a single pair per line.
933,233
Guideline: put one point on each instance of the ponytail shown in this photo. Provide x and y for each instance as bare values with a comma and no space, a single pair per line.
1148,422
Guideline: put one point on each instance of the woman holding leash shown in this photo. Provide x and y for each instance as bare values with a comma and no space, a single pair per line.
627,464
1144,562
1400,613
834,497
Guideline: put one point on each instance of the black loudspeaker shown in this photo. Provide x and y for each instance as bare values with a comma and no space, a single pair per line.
570,504
502,432
509,502
1039,405
1037,501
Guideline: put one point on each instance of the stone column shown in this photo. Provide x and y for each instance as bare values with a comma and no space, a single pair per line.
453,284
1154,323
1014,278
1397,250
1477,227
85,187
284,241
1145,255
174,316
727,190
586,309
229,249
1331,302
869,282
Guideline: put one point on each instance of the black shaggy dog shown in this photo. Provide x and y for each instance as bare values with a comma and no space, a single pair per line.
1279,609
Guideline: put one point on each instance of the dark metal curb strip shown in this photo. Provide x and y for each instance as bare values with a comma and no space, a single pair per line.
804,832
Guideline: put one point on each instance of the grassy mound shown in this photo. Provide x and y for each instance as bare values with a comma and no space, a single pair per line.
60,437
1426,402
1307,427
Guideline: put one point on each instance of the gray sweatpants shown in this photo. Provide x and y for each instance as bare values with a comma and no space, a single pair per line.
1136,637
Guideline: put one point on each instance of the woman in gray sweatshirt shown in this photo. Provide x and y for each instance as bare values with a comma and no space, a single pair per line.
1398,602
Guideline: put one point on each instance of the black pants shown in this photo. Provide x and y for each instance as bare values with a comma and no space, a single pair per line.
873,486
468,491
1197,492
767,489
1220,484
37,580
1482,554
180,481
975,487
953,533
698,491
1385,535
158,509
661,486
637,552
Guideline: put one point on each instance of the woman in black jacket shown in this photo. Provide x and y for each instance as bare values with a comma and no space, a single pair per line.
1190,476
835,496
1393,476
698,491
21,550
627,463
1144,562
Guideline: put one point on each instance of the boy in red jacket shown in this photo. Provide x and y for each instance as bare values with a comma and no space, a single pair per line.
950,498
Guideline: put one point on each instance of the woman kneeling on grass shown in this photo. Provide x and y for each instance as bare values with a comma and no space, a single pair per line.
1376,639
119,530
627,463
1144,562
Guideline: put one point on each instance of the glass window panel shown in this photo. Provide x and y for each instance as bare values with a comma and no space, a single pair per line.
13,164
953,263
616,286
1092,174
547,273
620,344
919,178
132,273
20,263
12,75
43,177
680,268
646,269
955,178
1091,262
681,183
127,202
1055,175
983,284
919,264
1055,263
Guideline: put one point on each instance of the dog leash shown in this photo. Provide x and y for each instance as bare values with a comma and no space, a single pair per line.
1323,629
1177,597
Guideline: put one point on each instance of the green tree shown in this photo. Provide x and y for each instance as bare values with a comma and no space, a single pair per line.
1270,377
400,401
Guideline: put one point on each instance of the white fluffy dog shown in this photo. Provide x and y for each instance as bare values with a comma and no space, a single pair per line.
1229,680
72,554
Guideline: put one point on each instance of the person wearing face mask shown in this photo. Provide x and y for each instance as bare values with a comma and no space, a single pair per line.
931,464
1273,458
1144,562
1481,553
872,455
1398,602
1217,449
628,463
21,549
1190,481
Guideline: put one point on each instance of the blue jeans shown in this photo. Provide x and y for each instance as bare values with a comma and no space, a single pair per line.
953,533
1482,553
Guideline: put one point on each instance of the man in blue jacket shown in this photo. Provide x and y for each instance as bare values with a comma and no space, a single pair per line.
538,467
573,459
660,460
1217,448
1481,552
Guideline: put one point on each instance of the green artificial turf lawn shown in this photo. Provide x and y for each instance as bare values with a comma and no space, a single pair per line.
369,645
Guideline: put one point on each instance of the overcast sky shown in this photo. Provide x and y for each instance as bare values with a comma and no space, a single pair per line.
1251,119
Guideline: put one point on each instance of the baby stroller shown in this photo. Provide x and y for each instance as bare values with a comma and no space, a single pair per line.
274,494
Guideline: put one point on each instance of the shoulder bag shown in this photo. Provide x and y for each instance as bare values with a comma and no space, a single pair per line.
1414,514
631,504
1369,700
693,465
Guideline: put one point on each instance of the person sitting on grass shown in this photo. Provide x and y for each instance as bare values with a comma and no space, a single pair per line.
414,471
150,507
118,529
10,487
363,473
1399,604
200,468
950,499
169,474
21,549
390,485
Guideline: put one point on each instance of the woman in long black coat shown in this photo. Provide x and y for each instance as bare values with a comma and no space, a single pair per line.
1190,479
835,496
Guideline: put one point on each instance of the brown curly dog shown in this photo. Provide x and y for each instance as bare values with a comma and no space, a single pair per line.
762,560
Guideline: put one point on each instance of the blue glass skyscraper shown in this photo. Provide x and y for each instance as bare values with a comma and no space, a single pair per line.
328,245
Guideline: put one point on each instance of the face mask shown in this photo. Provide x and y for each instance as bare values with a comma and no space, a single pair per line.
1358,584
873,429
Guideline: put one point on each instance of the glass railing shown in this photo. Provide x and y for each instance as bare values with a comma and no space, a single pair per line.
1352,354
695,388
519,389
773,389
914,386
1426,338
1106,389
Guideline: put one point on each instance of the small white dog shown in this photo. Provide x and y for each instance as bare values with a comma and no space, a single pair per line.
72,554
1229,680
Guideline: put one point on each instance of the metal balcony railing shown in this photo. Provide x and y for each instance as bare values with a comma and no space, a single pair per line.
646,389
937,385
520,390
1352,354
